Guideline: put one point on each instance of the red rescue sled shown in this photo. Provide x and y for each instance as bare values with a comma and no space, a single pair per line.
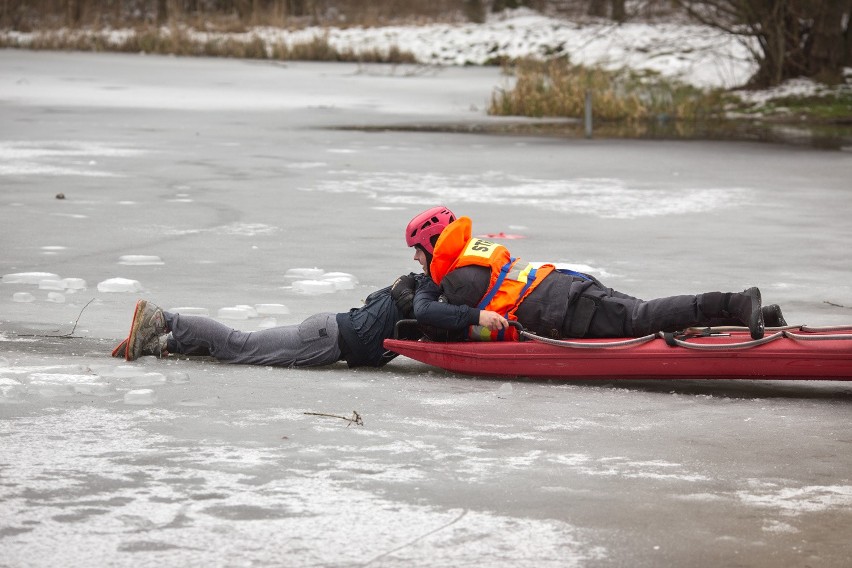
793,353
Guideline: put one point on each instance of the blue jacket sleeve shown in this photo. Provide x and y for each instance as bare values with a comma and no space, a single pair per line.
429,311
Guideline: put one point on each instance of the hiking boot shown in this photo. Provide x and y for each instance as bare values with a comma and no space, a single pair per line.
772,316
149,323
158,349
745,306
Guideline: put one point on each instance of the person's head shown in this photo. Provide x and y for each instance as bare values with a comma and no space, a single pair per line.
423,231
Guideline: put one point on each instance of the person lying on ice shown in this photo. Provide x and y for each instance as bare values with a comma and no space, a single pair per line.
355,336
555,303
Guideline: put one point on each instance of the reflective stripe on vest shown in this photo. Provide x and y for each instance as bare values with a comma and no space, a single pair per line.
500,278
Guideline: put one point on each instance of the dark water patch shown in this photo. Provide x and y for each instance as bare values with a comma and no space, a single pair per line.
826,136
248,513
13,531
78,515
146,546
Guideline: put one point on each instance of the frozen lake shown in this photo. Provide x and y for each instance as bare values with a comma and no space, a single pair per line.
199,184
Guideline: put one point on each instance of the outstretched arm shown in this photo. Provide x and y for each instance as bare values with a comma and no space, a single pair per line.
430,311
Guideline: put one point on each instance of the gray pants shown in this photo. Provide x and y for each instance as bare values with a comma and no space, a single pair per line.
308,344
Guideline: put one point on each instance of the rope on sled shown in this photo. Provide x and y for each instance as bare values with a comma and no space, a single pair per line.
721,346
817,333
681,339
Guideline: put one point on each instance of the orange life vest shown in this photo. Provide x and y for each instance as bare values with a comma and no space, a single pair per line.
511,281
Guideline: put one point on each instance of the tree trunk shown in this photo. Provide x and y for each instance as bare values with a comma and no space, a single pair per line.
597,8
826,44
500,5
474,11
296,7
617,11
162,12
74,13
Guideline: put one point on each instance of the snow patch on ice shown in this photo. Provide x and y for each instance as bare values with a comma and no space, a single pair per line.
341,280
235,229
54,158
624,467
51,284
74,283
271,309
241,312
304,273
28,277
190,310
778,527
315,281
140,260
608,198
119,285
56,297
797,500
140,396
314,287
306,165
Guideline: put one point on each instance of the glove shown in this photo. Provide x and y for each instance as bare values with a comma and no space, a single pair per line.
482,333
402,292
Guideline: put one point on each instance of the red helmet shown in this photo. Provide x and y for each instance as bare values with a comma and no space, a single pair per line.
426,225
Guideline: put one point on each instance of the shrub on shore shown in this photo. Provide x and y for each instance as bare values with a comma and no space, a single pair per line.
558,88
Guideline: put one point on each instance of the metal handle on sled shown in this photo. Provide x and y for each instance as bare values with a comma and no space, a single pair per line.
403,323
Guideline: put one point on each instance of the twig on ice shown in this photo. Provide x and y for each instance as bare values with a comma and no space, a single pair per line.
354,419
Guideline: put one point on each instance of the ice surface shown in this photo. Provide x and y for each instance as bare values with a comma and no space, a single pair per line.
304,273
446,470
190,310
23,297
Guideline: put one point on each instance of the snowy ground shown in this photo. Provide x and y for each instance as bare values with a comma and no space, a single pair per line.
696,54
201,183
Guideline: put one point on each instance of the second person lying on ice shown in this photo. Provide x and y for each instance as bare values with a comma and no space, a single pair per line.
466,270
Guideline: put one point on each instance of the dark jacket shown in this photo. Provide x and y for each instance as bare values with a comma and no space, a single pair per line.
557,307
362,331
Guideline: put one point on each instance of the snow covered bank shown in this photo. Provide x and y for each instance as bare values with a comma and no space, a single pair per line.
696,54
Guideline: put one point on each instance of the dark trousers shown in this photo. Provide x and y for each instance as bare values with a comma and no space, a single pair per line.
610,313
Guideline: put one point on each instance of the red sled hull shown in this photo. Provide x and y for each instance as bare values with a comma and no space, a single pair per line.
782,358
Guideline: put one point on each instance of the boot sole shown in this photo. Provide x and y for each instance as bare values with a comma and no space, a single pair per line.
755,323
134,330
120,350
